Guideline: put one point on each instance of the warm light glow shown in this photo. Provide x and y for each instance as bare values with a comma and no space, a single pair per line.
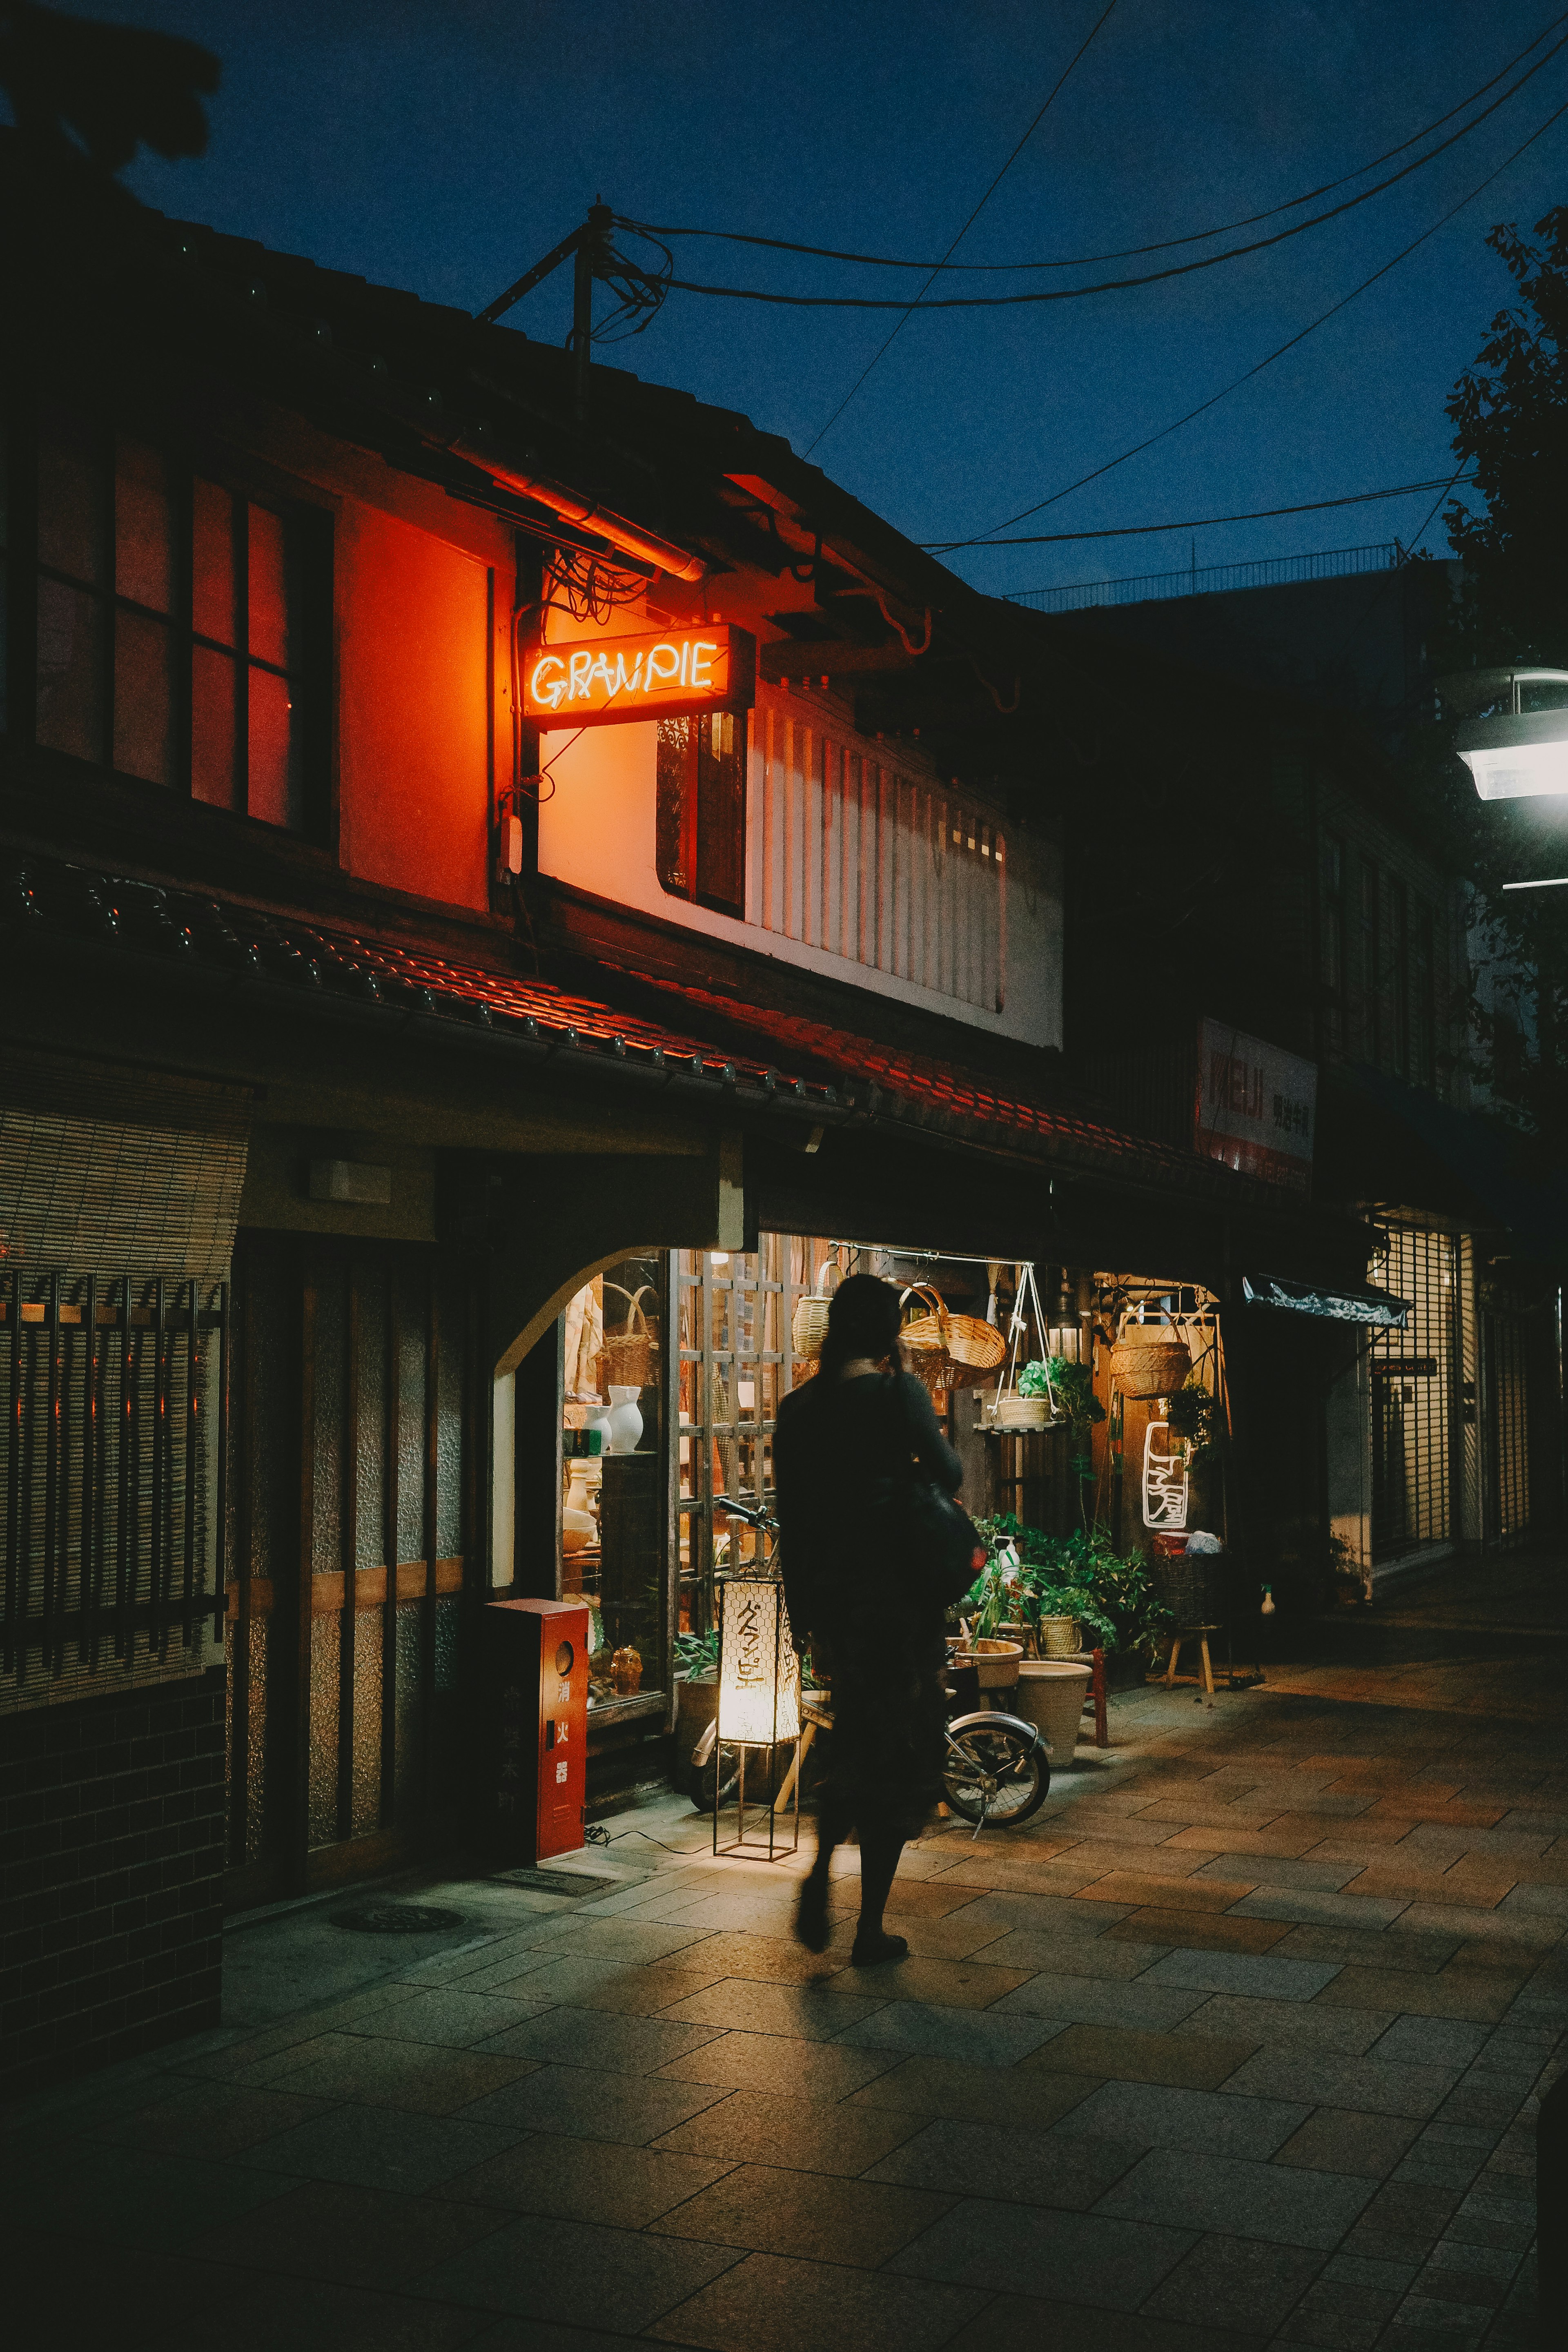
759,1674
1520,771
611,678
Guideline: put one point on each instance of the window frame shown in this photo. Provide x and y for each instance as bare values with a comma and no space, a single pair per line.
310,517
679,861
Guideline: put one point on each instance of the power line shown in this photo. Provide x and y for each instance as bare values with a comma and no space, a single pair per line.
1203,522
1105,285
986,538
1125,253
1051,96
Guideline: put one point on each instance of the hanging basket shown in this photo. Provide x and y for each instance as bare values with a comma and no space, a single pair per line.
1015,1413
924,1339
808,1324
628,1356
1146,1361
976,1346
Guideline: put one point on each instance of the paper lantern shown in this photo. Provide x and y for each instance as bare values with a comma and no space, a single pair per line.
759,1674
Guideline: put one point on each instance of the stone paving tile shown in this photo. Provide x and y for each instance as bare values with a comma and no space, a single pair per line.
605,2040
1192,2061
1009,1910
1023,2165
1246,1846
377,2147
459,2018
927,2028
1158,2116
954,1938
769,2209
1182,1813
1404,2221
1339,2318
1235,2282
149,2205
579,2102
811,2013
1172,1893
956,2087
770,1959
647,1940
1253,1978
766,2062
765,2303
433,2078
206,2120
1453,1845
1080,2000
1303,1908
1427,1806
1538,1901
1291,2023
1090,2258
1357,1840
980,1874
1185,2189
255,2311
1464,1921
805,2135
329,2229
1343,2139
1382,1947
1199,1931
1322,2079
576,2273
1285,1875
1072,1956
953,1984
1481,1996
1425,2041
620,1985
584,2180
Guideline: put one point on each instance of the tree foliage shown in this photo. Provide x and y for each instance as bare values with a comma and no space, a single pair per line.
103,90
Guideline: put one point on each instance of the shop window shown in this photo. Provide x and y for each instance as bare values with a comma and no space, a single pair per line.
614,1496
176,640
700,837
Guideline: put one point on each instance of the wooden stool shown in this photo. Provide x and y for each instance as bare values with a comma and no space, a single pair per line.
1183,1633
1094,1702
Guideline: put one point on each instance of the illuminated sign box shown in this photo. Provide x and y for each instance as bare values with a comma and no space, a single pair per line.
607,679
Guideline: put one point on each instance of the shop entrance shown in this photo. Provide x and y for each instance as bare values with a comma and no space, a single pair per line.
1412,1389
349,1511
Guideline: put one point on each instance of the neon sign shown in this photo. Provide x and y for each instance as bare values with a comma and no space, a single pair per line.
608,680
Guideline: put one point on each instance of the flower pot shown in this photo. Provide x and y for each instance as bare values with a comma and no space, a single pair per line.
997,1663
1050,1695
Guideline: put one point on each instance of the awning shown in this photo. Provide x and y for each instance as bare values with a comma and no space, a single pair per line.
1378,1307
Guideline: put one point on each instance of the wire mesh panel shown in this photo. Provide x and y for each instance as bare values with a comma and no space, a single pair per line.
1508,1429
113,1438
1413,1390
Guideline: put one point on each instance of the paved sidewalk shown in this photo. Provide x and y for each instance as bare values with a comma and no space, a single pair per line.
1237,2042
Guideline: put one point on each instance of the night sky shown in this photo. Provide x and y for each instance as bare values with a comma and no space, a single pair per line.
444,147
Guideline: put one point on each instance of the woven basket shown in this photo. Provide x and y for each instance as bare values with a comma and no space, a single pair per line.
925,1335
628,1356
1060,1637
1019,1413
1145,1364
808,1324
977,1346
1192,1587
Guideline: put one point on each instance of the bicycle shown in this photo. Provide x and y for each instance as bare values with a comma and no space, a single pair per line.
996,1771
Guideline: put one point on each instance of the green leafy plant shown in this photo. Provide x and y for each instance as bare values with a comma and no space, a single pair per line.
697,1655
1031,1575
1034,1380
1195,1416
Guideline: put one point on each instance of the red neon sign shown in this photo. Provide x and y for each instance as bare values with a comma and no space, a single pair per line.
607,679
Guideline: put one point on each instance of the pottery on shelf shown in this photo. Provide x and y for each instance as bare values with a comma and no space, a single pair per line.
578,1530
625,1420
599,1419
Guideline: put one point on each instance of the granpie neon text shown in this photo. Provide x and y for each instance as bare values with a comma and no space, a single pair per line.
599,676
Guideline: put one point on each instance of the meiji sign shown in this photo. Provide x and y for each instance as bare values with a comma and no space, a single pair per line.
608,680
1257,1107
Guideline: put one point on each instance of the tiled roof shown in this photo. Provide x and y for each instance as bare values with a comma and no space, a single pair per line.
377,978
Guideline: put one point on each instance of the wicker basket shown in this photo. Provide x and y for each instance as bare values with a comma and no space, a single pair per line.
1192,1587
1060,1637
1147,1363
925,1335
1015,1413
975,1346
627,1358
808,1324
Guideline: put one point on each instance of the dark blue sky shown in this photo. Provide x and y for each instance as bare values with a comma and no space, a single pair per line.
443,147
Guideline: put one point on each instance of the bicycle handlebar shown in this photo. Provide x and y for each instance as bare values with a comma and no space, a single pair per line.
755,1515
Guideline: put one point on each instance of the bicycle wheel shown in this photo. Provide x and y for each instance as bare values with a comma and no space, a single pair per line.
995,1774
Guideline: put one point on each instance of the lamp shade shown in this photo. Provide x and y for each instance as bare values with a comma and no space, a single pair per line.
759,1674
1516,756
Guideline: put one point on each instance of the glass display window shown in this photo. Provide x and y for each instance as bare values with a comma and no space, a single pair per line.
615,1515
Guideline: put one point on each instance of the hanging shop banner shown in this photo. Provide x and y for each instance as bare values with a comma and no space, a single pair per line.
1256,1106
605,680
1165,1484
1378,1307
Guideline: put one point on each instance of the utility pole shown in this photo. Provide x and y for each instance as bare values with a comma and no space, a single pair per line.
590,252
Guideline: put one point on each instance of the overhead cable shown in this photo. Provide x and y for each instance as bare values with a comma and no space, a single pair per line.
1108,285
1051,96
987,538
1124,253
1203,522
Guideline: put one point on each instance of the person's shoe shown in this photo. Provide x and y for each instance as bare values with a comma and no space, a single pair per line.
869,1951
811,1925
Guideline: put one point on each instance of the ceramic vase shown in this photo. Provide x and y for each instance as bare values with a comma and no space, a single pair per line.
625,1421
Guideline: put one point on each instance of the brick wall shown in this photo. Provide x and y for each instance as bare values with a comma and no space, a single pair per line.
112,1830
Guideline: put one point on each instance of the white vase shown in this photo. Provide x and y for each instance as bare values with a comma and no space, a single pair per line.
600,1419
625,1421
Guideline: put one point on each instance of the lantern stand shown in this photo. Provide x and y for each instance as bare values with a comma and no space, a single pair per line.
758,1702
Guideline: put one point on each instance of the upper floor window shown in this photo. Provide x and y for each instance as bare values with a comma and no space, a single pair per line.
177,639
700,839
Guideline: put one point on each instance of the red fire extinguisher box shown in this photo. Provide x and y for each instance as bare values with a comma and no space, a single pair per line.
536,1692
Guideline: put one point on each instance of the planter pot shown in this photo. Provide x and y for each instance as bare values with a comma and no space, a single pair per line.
997,1663
1050,1695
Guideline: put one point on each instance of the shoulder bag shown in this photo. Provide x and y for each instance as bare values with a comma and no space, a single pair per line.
935,1533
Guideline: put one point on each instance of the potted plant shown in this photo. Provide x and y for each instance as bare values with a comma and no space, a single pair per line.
696,1696
1072,1386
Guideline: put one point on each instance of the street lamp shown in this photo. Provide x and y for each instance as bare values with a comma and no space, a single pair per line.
1514,754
